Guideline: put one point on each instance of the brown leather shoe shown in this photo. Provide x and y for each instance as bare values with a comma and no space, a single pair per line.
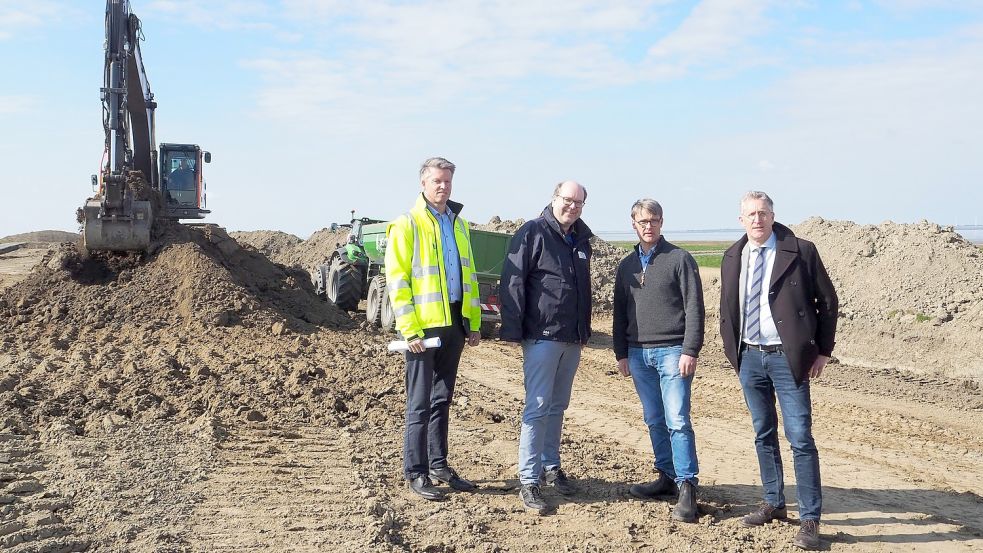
808,536
764,514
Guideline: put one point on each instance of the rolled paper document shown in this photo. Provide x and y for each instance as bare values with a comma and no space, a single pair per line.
400,345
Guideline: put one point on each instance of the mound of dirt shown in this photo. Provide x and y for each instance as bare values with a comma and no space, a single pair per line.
911,295
603,268
275,244
496,224
288,250
200,326
171,346
45,236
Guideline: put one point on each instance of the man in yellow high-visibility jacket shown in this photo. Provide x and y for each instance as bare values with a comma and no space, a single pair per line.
434,293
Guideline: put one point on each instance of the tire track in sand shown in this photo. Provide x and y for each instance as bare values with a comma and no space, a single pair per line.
871,500
279,490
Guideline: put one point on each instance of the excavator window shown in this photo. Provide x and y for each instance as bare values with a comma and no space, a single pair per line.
181,186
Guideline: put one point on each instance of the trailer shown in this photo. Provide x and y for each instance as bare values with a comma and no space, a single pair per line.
356,271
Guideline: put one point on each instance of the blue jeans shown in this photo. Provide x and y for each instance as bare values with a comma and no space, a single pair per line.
548,368
763,377
665,399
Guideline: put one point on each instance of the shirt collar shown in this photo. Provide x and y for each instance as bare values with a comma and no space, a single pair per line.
771,243
447,212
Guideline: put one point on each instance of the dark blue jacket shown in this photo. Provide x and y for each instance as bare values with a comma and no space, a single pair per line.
545,289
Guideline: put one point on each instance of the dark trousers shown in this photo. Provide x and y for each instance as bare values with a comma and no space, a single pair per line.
430,378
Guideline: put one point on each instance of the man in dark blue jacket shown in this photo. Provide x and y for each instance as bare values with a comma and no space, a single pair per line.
546,306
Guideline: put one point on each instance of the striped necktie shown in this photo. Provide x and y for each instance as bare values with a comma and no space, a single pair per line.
753,311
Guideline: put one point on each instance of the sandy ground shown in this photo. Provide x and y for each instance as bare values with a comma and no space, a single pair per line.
229,410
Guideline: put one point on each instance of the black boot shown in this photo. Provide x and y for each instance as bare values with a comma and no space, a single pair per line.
662,488
686,510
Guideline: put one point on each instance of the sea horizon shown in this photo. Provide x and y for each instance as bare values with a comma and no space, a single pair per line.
972,233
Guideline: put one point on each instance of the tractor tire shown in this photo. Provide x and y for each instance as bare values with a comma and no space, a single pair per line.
374,300
388,316
344,285
321,280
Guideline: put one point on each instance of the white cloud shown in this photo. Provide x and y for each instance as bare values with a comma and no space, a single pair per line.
12,105
896,134
227,15
712,29
408,56
935,5
20,17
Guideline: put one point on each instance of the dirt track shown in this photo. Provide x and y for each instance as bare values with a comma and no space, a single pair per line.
247,415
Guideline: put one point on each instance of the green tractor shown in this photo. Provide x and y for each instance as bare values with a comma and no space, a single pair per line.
356,271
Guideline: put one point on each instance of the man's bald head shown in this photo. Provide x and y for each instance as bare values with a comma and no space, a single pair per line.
568,203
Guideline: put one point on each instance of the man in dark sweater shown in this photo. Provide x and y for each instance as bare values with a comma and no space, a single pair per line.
658,333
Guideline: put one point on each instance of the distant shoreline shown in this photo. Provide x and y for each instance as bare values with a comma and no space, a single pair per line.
973,233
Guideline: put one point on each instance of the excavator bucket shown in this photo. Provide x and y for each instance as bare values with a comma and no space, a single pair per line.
119,233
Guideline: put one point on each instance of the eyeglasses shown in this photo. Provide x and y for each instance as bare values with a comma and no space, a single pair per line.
570,202
645,223
761,215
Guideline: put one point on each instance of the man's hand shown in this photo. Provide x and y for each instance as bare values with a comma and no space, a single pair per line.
623,367
474,338
687,365
416,345
817,366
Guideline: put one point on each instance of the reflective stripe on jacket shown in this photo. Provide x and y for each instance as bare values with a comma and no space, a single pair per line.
415,275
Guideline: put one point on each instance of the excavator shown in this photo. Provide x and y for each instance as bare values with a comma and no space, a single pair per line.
136,185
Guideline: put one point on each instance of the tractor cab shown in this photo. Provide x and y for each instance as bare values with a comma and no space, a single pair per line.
182,187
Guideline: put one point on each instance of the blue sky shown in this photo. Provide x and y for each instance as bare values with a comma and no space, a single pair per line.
859,110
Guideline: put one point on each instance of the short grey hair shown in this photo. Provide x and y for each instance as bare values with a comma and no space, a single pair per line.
646,204
752,195
436,163
556,189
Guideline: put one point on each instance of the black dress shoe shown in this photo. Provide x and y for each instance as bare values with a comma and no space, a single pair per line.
449,476
423,487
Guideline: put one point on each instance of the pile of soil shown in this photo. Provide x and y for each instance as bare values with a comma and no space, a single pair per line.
911,295
289,250
496,224
43,236
274,244
172,345
145,334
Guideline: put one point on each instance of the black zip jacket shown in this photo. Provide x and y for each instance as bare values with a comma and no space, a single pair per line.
545,288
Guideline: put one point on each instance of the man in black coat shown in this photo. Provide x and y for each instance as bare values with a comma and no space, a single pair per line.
778,314
546,306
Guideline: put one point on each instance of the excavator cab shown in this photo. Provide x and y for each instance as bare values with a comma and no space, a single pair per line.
182,187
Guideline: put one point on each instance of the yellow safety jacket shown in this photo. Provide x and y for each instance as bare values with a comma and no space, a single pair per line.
415,275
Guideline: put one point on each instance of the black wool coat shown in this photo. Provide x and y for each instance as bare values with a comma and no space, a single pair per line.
803,302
